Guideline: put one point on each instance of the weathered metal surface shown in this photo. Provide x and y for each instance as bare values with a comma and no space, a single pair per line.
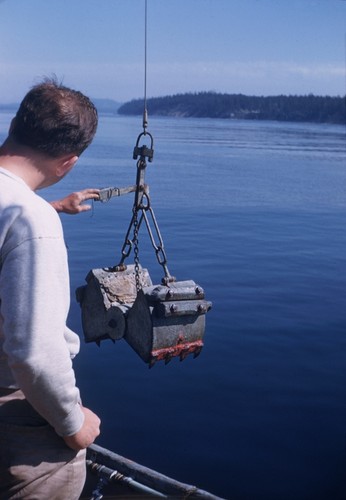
181,290
105,301
180,308
105,194
162,329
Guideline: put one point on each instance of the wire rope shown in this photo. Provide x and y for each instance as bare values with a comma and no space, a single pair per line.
145,112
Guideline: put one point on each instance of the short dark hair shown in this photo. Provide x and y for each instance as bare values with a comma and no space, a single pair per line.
55,120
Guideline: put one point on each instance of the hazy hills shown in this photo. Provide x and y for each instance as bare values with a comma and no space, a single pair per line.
104,106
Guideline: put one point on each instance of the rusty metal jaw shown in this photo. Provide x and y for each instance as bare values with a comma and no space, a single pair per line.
159,330
159,321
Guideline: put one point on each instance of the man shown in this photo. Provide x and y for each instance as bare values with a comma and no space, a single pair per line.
44,429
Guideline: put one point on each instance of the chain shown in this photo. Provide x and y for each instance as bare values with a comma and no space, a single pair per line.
157,244
135,247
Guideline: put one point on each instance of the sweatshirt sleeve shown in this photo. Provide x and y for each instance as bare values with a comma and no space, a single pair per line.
34,285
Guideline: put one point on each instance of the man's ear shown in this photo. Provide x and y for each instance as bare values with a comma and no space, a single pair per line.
65,165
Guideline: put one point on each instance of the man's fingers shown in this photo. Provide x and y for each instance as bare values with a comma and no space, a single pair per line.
84,208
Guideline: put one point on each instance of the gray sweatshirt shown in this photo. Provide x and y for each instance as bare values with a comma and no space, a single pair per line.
36,347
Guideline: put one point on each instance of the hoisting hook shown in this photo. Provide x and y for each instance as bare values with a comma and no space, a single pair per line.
144,151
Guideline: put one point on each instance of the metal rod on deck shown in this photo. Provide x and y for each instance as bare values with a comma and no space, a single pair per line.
112,476
169,486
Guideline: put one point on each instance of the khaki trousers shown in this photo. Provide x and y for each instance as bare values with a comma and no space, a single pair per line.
35,463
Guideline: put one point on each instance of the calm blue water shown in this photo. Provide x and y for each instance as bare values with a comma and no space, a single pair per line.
256,214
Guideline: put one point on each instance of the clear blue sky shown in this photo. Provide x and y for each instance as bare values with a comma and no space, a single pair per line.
255,47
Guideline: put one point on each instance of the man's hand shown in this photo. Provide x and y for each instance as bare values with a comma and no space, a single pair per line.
72,204
87,434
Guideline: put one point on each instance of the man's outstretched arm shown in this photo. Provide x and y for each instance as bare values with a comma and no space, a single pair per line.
72,203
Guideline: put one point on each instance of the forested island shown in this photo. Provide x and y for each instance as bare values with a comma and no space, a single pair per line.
309,108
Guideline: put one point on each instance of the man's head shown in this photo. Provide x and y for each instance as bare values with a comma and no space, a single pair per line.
55,120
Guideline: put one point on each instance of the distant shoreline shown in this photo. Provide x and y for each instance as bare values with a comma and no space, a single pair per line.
292,108
309,108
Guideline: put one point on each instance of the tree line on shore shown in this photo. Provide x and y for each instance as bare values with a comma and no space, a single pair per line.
305,108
